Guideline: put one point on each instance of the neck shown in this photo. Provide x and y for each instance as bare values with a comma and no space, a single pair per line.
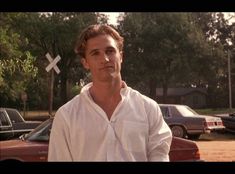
106,90
107,95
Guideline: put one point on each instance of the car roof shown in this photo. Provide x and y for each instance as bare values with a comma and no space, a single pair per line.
7,108
171,105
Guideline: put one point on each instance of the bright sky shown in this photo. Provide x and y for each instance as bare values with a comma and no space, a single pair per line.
228,14
113,16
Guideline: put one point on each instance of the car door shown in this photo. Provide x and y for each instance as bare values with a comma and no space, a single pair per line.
165,113
5,126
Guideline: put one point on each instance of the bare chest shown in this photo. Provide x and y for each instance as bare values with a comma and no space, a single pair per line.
109,107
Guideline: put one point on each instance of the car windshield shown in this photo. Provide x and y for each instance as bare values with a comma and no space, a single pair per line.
186,111
40,133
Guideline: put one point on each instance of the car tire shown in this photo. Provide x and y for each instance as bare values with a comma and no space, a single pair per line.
178,131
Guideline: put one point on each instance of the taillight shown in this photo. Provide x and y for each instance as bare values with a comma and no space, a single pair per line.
197,154
220,123
211,124
208,124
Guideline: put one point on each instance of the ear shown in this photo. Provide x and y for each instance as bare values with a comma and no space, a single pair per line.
85,64
121,56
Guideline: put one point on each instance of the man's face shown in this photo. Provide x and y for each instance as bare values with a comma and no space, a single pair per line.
102,58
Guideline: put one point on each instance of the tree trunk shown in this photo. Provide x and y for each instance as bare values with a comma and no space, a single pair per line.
165,88
63,92
152,87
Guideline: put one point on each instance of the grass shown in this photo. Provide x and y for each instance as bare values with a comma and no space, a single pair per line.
42,115
36,115
214,111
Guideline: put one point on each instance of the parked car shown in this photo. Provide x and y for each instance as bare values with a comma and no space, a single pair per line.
228,121
34,147
187,123
12,124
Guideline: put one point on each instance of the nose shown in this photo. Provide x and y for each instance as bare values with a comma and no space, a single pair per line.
105,58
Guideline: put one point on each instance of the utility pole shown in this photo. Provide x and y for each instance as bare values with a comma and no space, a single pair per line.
229,82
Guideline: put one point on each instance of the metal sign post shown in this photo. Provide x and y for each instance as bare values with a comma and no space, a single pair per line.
53,66
24,98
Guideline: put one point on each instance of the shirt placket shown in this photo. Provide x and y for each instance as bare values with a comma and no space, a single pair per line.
111,142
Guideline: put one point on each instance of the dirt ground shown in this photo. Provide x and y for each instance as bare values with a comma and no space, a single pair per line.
217,147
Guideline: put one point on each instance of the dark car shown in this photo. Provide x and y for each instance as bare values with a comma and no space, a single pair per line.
187,123
12,124
34,147
229,121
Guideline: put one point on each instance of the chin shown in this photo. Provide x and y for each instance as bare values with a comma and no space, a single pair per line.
109,78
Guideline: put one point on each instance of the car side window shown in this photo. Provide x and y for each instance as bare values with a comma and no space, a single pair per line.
165,112
3,120
175,112
14,116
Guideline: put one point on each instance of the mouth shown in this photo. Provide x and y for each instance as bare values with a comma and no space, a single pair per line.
106,67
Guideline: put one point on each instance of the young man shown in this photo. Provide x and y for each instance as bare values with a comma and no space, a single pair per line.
107,121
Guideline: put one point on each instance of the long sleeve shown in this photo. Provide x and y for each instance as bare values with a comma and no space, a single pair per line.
59,149
160,136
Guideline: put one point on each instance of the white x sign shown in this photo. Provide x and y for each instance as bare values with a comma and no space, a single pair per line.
53,63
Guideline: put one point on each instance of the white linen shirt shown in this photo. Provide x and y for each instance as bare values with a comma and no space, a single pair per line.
136,131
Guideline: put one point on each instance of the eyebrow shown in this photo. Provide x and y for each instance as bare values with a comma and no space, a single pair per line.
107,48
110,47
92,51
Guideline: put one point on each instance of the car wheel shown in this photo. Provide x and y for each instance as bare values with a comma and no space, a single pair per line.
178,131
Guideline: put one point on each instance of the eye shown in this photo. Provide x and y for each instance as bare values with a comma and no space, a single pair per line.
95,53
110,51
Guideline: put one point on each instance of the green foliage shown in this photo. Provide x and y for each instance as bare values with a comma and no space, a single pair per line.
75,90
220,34
176,50
16,74
55,33
16,64
161,50
165,48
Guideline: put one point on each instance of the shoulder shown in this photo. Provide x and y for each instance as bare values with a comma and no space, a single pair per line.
69,109
146,104
71,103
136,95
